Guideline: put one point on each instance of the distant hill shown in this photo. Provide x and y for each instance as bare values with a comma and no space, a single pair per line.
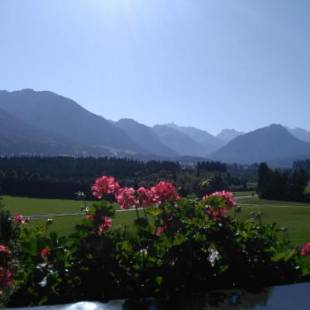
44,123
301,134
209,142
59,115
273,143
145,137
17,137
181,143
226,135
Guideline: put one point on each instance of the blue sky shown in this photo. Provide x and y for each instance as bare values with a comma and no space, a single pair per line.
212,64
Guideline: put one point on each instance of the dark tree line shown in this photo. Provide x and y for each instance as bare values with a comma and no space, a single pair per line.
278,184
211,166
62,177
69,167
303,164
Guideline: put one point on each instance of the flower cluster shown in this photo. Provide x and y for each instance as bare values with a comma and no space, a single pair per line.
128,197
45,253
146,197
105,225
6,276
228,196
20,219
213,256
4,250
305,249
165,191
160,230
215,210
6,279
125,197
104,185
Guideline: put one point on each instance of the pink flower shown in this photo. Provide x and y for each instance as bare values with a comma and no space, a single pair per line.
160,230
6,277
4,250
305,249
217,214
45,252
104,185
218,211
146,197
19,219
105,225
164,191
228,196
125,197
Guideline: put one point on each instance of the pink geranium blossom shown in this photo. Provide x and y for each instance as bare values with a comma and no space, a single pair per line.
164,191
4,250
20,219
105,225
6,277
145,197
305,249
45,252
160,230
104,185
126,197
215,211
228,196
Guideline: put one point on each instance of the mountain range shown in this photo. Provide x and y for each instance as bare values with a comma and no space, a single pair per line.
269,144
44,123
301,134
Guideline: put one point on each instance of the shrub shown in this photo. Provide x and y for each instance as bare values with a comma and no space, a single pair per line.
176,245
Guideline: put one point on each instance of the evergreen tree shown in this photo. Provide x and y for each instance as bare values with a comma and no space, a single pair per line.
281,185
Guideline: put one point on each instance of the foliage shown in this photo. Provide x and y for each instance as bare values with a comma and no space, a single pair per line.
43,272
211,166
176,246
61,177
281,185
6,231
303,164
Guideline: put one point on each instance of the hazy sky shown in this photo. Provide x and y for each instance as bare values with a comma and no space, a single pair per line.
209,63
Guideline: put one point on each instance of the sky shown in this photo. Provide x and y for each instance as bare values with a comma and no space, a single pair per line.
211,64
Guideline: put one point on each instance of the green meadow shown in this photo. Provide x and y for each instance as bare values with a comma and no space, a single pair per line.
57,209
294,216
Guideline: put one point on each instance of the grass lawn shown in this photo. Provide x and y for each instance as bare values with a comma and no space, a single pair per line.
65,225
62,224
294,216
30,206
247,193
